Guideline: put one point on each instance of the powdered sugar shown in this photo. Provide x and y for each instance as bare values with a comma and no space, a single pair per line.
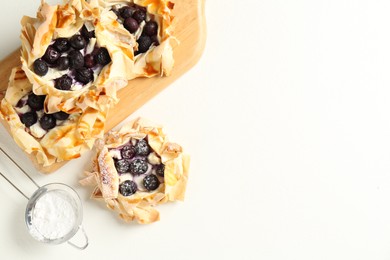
54,216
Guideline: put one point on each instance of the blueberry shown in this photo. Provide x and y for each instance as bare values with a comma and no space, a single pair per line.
154,39
61,115
102,56
76,60
63,83
84,75
144,43
142,147
150,28
61,45
122,166
127,188
131,25
95,51
77,42
139,16
29,118
35,102
87,34
151,182
63,63
51,55
21,103
89,61
47,121
138,166
128,152
142,8
40,67
160,170
126,11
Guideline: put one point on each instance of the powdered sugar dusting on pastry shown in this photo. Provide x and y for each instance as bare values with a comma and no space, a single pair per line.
143,181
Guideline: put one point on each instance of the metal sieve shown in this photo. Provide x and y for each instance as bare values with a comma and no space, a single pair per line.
58,189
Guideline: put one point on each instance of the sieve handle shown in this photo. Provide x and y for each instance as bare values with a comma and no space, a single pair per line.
86,240
20,168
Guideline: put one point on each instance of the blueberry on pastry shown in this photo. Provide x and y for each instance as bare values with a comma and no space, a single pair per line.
63,57
142,31
137,168
49,137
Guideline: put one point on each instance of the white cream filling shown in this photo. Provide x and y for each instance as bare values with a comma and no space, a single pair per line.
40,113
89,25
125,177
116,154
154,159
53,74
22,110
37,131
76,87
90,46
139,181
138,33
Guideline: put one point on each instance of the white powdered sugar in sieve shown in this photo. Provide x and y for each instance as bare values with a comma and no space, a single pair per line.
53,216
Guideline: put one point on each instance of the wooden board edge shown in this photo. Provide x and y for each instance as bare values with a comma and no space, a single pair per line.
10,62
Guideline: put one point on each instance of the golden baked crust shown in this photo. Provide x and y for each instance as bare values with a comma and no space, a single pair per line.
89,105
64,142
158,60
105,178
66,20
58,21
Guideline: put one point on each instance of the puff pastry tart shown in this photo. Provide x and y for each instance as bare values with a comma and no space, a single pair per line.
63,55
137,168
143,31
50,137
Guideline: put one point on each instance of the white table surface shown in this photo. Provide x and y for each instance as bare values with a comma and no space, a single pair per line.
286,117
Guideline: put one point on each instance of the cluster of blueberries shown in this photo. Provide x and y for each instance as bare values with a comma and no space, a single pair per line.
36,103
134,161
67,53
132,16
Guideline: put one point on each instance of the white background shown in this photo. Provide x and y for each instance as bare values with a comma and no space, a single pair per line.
286,117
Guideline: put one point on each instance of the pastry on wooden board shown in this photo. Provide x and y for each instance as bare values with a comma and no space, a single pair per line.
75,57
51,137
64,56
137,168
143,30
70,48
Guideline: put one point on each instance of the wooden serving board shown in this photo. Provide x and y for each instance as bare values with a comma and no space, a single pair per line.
190,31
